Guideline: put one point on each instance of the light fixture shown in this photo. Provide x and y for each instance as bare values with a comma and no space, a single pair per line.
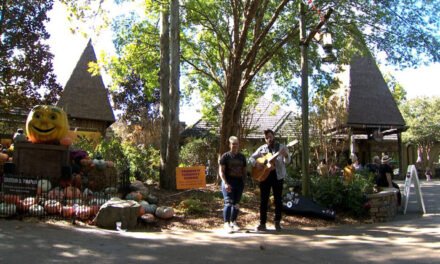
377,135
327,45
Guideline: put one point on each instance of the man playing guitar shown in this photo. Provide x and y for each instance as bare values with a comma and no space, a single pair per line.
275,178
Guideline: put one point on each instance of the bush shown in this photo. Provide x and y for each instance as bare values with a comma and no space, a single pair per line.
200,152
192,206
331,192
327,191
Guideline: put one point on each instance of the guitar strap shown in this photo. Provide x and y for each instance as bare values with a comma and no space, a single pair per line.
275,149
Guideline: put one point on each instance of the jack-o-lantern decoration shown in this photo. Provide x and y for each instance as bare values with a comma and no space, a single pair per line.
46,124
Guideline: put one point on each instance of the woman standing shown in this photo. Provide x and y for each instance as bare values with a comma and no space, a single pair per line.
232,171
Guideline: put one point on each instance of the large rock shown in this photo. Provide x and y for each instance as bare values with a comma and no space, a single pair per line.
117,210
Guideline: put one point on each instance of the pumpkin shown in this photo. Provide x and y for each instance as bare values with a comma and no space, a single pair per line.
83,212
135,196
26,203
148,218
150,208
94,209
67,211
11,199
36,210
164,212
141,211
7,210
72,192
52,207
46,124
4,157
56,193
43,186
66,141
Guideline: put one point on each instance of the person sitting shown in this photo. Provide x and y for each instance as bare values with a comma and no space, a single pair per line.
374,166
323,168
384,178
348,171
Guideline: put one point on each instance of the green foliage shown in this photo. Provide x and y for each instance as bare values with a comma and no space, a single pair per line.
26,70
142,161
191,206
333,193
328,192
196,203
198,152
422,116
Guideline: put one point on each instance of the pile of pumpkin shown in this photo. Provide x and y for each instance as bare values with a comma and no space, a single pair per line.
67,202
149,211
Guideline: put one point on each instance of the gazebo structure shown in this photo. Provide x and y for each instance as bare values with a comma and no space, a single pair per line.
372,120
85,98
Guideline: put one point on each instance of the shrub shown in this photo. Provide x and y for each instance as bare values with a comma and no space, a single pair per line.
327,191
191,206
333,193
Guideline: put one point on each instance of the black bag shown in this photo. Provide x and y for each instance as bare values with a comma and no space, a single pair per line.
295,204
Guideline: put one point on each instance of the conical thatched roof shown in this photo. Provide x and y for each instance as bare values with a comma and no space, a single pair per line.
370,102
85,96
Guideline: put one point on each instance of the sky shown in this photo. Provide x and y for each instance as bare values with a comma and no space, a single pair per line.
67,48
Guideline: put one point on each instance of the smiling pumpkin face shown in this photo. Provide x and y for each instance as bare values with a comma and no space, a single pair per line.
46,124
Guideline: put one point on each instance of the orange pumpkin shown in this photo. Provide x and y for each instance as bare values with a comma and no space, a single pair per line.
24,204
12,199
72,192
83,212
67,211
52,207
46,124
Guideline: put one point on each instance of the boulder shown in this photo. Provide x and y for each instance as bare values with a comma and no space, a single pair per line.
117,210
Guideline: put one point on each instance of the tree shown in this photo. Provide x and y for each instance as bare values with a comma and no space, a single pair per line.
26,70
230,44
422,116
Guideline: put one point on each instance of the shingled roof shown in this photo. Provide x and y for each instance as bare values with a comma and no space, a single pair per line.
370,102
84,95
266,114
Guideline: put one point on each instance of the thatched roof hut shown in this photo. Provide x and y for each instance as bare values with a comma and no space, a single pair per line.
372,119
370,102
85,98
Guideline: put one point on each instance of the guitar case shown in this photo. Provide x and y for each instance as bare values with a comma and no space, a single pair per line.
295,204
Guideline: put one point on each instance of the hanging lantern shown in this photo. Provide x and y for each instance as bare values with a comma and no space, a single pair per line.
327,45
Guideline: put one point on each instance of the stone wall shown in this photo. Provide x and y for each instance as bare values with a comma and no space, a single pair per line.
383,205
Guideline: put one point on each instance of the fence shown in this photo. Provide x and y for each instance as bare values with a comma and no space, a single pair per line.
72,196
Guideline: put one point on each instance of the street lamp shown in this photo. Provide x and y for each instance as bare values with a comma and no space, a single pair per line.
327,45
304,44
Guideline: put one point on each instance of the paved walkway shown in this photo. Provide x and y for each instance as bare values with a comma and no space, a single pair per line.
410,238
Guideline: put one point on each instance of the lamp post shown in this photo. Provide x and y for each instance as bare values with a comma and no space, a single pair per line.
304,44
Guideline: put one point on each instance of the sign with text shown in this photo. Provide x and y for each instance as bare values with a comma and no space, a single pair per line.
190,177
413,178
19,186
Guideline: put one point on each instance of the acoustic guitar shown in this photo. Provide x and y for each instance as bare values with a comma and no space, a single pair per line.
268,160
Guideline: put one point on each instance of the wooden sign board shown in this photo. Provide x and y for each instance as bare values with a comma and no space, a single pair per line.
413,178
190,177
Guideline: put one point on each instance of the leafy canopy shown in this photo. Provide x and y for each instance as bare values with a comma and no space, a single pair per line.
26,70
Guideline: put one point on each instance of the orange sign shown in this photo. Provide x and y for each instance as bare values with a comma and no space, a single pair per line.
190,177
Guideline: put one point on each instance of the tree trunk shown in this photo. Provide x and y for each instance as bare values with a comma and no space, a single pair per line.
231,113
164,90
173,140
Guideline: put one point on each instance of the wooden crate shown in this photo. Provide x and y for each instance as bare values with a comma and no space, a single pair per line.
40,160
